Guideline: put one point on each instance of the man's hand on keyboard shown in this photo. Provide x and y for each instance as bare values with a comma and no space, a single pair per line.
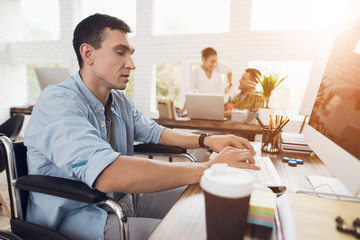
235,157
218,142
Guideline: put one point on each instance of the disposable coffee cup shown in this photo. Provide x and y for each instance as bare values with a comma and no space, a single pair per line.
227,194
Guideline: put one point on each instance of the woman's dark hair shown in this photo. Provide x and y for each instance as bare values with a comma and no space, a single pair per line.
91,29
207,52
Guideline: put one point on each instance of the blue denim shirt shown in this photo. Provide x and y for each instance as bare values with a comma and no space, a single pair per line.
66,137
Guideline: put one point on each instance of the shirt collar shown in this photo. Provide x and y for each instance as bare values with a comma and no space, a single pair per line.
94,103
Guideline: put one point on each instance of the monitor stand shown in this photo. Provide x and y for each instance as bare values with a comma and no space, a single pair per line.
332,188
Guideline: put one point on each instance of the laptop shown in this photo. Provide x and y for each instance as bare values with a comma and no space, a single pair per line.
52,75
205,106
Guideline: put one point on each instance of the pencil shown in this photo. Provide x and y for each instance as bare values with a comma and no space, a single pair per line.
278,131
271,124
260,122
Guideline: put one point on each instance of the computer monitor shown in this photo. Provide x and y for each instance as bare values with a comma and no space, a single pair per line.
333,131
51,75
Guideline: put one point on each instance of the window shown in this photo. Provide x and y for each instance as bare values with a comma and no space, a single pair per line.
269,15
194,66
35,20
122,9
33,87
288,96
191,17
168,80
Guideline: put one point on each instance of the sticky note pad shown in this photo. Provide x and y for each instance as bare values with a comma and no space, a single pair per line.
262,208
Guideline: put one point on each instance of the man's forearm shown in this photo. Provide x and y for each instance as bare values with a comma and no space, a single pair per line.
138,175
175,138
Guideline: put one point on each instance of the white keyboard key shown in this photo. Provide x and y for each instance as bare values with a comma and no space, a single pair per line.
267,175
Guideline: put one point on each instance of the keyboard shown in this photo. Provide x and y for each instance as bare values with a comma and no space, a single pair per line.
267,175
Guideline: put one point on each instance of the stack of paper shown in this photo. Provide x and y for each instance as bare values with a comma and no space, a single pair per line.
239,115
294,142
262,208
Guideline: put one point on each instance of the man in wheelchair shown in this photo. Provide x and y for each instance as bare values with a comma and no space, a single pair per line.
84,129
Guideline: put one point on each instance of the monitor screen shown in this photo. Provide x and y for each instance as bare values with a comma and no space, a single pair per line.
336,112
47,75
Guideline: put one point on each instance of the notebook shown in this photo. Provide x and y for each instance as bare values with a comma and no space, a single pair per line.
166,108
205,106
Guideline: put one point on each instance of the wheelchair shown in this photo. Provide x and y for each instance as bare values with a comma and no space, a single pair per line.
13,155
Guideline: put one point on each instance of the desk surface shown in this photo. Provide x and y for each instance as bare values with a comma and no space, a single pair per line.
246,130
186,220
24,110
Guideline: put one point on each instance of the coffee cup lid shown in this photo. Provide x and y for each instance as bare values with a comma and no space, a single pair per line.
222,180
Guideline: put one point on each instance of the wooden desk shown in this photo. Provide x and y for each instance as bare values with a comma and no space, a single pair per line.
245,130
186,219
24,110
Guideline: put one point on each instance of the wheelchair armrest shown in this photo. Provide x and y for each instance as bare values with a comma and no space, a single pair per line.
157,148
9,235
60,187
73,190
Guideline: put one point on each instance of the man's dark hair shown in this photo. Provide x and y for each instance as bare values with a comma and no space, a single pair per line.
91,29
254,73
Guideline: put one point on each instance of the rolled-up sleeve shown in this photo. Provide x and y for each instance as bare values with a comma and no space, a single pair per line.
146,130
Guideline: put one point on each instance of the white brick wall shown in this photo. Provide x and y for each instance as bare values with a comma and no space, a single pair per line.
237,47
4,16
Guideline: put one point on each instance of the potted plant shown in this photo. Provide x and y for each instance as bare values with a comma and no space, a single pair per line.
268,84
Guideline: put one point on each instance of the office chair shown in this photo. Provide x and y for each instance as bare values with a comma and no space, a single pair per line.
3,204
160,150
13,155
11,127
20,183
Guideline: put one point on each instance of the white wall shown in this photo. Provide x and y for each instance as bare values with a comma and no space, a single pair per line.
238,47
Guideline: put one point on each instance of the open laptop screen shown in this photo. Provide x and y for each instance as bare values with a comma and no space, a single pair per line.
205,106
47,76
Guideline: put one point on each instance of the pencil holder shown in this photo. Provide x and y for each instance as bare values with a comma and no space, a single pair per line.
270,141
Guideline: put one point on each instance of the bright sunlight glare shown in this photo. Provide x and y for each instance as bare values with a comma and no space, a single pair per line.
122,9
357,48
298,14
44,14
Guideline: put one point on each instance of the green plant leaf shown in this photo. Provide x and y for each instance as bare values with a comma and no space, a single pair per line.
269,82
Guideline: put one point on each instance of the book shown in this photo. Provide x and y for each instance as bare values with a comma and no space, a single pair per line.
294,143
293,138
166,108
309,217
296,147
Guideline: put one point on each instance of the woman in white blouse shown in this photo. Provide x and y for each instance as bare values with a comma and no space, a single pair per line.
209,76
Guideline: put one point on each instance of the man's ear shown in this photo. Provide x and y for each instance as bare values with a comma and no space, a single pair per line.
86,51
